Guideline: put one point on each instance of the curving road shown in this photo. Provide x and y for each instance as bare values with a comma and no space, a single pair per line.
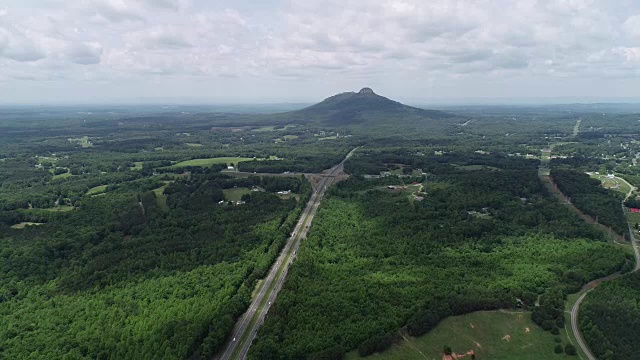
247,326
576,307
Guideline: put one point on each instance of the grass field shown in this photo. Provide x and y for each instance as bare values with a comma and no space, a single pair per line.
612,184
491,335
161,198
194,145
137,165
97,190
60,208
22,225
272,128
82,141
633,218
62,176
290,137
235,194
328,138
289,196
478,167
211,161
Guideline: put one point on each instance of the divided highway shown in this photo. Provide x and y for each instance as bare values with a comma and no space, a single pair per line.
247,326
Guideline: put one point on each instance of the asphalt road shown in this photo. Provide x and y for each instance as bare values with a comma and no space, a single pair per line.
576,307
247,326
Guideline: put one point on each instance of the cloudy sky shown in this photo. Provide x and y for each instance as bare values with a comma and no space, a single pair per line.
304,50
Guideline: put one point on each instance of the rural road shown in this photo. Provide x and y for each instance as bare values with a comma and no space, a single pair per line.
247,326
576,307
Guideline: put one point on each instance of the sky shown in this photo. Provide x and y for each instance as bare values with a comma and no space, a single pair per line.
262,51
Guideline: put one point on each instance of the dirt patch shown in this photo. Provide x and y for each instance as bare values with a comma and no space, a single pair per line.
455,356
314,180
472,326
527,330
506,338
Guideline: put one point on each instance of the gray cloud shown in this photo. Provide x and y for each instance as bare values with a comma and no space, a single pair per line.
85,53
166,40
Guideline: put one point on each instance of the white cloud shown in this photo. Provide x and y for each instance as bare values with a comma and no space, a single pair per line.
341,41
632,27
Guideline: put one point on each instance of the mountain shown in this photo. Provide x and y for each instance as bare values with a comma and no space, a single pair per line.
365,106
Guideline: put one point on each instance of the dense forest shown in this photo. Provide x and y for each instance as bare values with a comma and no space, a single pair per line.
591,198
125,278
109,250
378,260
610,319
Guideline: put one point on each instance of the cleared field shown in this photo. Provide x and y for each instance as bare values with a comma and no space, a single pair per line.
97,190
194,145
59,208
62,176
633,218
478,167
290,137
211,161
328,138
272,128
82,141
235,194
44,159
612,183
24,224
494,335
161,199
289,196
137,165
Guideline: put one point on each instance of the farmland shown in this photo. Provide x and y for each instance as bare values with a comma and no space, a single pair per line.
211,161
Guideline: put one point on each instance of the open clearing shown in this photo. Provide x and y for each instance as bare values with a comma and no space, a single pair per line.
137,165
60,208
97,190
235,194
62,176
161,199
24,224
633,218
272,128
82,141
476,167
612,183
211,161
495,335
334,137
194,145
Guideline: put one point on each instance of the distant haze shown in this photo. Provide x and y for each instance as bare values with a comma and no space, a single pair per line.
301,51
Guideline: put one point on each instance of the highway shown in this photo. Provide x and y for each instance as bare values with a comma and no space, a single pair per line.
576,307
245,330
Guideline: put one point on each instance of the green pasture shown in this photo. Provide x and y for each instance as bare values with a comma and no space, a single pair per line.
494,335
